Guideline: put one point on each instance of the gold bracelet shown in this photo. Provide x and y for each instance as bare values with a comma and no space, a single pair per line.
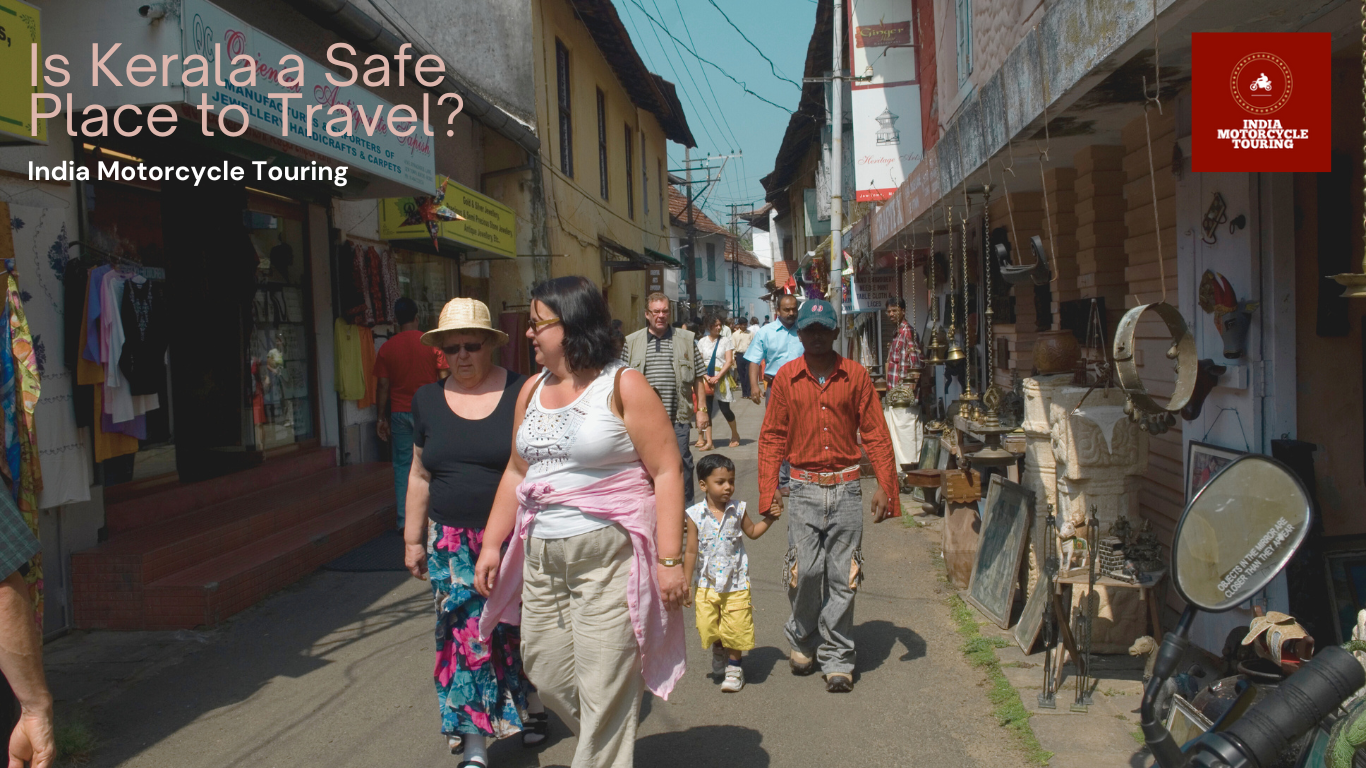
669,562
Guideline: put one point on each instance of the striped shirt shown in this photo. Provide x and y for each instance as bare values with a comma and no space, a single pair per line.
817,426
659,367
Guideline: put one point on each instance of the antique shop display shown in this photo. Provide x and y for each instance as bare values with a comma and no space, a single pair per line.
1005,526
1232,317
962,535
1044,593
1086,618
1141,407
1032,618
1056,351
1099,455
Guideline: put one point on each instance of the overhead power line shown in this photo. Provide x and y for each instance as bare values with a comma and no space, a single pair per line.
709,63
688,28
771,65
669,60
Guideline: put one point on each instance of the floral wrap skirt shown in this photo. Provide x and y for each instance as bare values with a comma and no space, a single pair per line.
480,687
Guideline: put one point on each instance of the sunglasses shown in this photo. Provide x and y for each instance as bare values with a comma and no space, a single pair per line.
469,346
538,325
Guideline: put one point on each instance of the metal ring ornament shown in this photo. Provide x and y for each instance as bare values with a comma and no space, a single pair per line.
1183,345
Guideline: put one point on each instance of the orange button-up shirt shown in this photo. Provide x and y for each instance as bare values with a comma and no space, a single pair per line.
817,427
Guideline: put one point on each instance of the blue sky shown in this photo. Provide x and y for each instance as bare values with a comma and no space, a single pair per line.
723,117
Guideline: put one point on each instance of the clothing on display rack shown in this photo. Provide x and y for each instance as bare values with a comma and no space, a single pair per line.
142,312
368,296
349,367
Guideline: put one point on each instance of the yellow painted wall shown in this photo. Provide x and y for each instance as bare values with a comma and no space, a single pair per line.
576,213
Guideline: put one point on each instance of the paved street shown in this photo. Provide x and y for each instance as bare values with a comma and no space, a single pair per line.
337,670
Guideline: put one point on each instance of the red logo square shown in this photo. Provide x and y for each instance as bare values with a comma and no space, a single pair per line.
1261,101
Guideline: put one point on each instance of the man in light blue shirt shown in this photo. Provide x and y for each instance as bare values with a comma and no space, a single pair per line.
775,345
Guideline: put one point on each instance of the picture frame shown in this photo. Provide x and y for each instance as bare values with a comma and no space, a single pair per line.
1346,573
1185,722
1006,517
929,452
1203,462
1031,618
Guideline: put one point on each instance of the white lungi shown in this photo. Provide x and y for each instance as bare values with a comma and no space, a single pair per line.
907,432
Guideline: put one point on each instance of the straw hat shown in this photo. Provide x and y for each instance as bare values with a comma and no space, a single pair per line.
464,315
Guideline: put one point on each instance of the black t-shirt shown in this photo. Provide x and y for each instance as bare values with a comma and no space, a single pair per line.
466,458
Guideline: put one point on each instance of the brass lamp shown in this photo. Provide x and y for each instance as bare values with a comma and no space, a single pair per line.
1355,283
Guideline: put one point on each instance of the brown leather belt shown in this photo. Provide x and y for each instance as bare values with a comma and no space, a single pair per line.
768,379
828,478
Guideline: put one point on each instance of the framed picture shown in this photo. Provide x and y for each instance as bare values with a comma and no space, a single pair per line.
1005,528
1203,462
1347,589
1185,721
929,451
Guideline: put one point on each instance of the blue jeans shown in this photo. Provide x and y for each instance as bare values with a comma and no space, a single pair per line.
823,569
683,431
401,445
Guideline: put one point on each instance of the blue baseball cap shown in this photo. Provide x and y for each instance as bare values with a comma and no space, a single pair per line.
817,311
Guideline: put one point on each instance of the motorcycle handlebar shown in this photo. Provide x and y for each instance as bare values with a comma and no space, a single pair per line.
1297,704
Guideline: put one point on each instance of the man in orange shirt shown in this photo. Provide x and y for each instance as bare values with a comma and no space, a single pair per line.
402,364
819,407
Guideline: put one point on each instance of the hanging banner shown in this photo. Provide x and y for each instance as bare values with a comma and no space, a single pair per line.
1261,102
871,292
885,109
484,224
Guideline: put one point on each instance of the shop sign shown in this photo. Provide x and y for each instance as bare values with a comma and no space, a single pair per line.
912,199
885,108
1261,102
662,280
485,224
20,28
871,292
408,160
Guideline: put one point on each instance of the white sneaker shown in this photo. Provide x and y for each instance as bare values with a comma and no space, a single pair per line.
718,661
735,679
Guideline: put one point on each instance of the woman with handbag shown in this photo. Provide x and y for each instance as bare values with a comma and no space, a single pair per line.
718,381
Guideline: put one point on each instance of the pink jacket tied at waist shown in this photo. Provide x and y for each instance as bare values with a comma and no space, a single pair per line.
627,499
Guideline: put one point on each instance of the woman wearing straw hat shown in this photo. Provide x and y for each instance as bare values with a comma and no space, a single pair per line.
462,439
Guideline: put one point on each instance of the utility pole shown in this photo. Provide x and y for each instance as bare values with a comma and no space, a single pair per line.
836,170
735,263
692,238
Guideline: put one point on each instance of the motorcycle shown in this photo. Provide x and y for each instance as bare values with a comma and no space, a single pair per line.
1262,82
1233,538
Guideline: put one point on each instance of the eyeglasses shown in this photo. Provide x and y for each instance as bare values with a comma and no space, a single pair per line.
538,325
469,346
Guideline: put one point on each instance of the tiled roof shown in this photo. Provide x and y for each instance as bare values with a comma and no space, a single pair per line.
735,253
678,203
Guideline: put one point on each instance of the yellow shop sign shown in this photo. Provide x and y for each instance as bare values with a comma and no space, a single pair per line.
464,220
20,28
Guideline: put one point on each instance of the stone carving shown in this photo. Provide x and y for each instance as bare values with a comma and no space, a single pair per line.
1098,454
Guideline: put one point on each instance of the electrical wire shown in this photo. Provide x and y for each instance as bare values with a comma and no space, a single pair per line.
705,129
684,63
688,28
708,62
772,67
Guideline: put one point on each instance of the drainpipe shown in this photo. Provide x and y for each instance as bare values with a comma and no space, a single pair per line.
355,26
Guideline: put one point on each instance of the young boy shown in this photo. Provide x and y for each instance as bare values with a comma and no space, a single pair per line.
724,617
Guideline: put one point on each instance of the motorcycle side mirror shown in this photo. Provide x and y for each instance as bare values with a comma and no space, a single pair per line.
1238,533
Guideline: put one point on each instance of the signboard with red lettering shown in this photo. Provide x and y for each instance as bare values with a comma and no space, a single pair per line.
885,96
1261,102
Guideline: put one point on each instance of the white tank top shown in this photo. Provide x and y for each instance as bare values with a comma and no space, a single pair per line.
571,447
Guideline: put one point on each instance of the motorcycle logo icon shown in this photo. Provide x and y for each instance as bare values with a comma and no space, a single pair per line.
1252,86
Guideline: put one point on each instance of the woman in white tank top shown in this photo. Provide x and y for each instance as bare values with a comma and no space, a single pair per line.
586,423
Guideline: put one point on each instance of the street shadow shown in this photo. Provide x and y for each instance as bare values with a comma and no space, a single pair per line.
289,634
759,663
875,641
702,747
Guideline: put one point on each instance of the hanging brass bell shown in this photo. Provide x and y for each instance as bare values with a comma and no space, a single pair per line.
955,348
934,351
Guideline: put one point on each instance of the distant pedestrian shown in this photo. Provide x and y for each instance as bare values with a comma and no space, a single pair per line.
672,365
821,405
740,338
591,508
754,325
718,382
775,345
462,435
21,645
717,565
402,365
903,370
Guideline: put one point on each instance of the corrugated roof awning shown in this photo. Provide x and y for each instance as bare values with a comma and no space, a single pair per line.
619,258
663,258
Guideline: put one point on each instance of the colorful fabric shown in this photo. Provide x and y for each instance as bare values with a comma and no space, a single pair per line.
21,368
817,427
480,687
626,499
725,617
904,356
722,563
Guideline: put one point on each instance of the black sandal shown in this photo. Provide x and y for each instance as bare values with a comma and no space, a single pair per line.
535,724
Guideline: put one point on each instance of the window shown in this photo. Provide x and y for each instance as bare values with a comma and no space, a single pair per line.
659,180
630,178
602,144
963,9
566,115
644,178
711,262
